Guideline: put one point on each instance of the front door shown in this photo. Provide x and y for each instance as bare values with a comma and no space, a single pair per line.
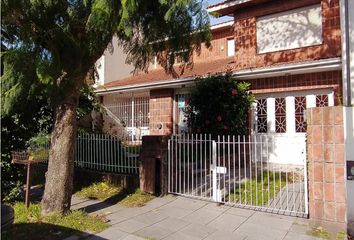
282,117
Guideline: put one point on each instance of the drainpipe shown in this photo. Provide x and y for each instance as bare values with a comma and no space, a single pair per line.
347,83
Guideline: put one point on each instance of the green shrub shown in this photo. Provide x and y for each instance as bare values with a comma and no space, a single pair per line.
219,104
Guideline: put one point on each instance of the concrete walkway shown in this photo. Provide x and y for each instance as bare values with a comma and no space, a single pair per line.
178,218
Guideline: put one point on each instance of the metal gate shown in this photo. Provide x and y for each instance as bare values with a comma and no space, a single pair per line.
243,171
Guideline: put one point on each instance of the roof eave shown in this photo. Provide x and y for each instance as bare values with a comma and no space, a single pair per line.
322,65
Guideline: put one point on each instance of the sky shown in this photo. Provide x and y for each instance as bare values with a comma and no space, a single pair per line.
214,20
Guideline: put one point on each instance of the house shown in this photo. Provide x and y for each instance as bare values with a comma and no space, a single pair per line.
289,52
153,102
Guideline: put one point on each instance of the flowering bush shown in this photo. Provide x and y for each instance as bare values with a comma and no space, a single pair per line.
219,104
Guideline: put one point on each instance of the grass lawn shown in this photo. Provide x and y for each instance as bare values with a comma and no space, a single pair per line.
136,199
250,191
30,224
109,193
98,190
323,233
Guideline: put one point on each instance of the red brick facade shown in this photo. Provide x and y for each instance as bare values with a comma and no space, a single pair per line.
161,110
218,48
326,164
246,55
300,82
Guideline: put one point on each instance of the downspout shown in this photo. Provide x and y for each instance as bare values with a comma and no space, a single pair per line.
347,52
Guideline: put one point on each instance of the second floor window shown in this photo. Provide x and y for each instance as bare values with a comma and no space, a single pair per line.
301,27
230,47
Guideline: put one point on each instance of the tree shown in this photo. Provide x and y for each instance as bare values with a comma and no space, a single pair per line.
66,37
219,104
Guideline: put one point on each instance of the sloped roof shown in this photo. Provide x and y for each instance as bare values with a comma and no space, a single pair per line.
156,75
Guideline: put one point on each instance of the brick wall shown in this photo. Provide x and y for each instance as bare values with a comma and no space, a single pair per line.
218,48
309,81
245,35
161,109
326,164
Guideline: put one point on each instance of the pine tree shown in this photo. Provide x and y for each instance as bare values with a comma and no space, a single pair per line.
60,40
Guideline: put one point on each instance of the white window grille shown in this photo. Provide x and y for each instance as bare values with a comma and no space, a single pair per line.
131,114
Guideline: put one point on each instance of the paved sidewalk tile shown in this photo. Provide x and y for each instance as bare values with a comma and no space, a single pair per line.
299,228
202,216
130,212
240,212
271,221
153,232
259,231
227,222
115,218
198,231
178,218
172,211
150,217
130,226
173,224
133,237
180,236
296,236
216,207
186,203
221,235
161,201
109,233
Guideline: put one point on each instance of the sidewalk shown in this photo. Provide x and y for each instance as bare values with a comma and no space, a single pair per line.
178,218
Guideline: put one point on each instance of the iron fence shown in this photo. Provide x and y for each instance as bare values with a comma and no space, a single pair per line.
240,171
106,153
98,152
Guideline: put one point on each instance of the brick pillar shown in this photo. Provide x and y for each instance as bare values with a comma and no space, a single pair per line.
153,165
326,165
161,109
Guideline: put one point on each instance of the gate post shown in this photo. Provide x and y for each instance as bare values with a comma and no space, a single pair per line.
326,166
153,165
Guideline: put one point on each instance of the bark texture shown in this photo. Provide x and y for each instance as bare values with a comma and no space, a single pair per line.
59,177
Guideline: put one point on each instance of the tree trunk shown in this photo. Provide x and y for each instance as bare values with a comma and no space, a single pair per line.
59,177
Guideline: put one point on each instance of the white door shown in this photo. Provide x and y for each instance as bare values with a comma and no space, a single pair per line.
282,118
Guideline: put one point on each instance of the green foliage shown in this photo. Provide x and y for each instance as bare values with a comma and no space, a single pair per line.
99,190
255,191
114,194
39,140
30,224
16,130
136,199
219,104
52,46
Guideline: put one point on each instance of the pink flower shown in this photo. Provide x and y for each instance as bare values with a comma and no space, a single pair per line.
207,122
234,91
219,118
198,130
226,127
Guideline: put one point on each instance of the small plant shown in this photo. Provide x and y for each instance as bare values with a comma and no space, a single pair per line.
98,190
219,104
320,232
136,199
